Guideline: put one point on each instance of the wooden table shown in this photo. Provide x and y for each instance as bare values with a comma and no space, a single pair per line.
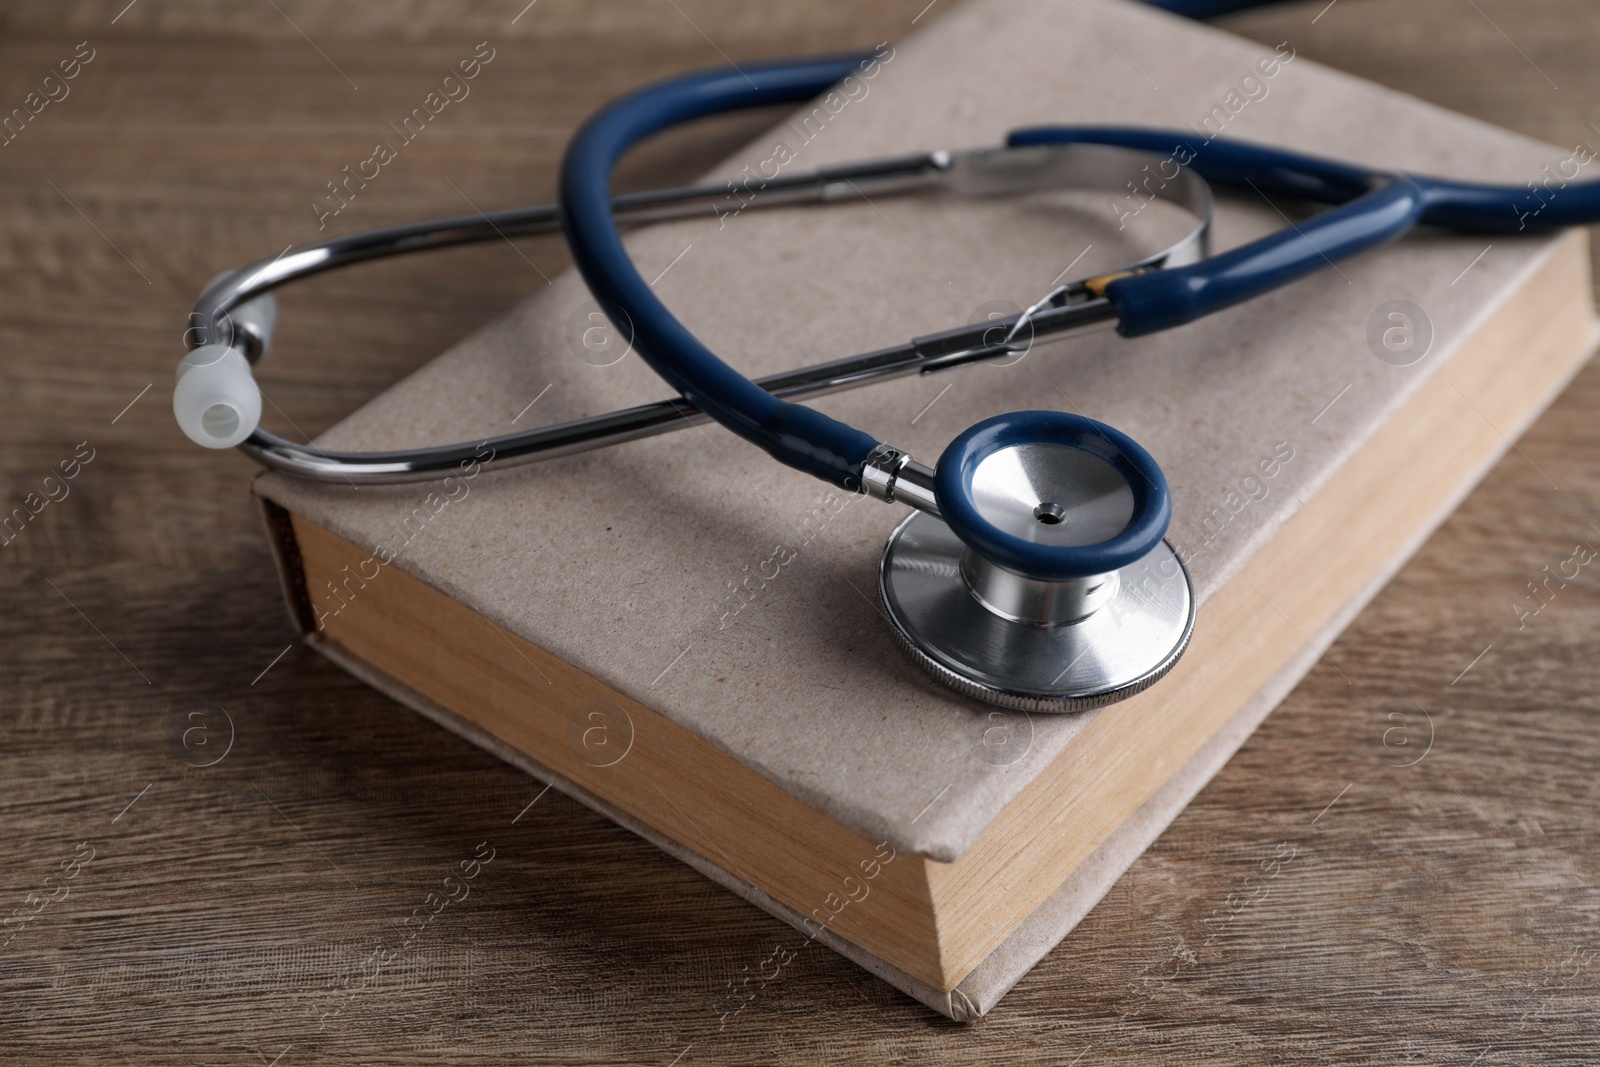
1441,907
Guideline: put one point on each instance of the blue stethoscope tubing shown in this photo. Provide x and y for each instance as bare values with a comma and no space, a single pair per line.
794,434
1371,207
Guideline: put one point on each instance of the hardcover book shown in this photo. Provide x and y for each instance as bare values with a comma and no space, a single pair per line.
685,636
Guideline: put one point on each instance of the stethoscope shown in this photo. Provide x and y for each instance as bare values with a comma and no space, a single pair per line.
1033,570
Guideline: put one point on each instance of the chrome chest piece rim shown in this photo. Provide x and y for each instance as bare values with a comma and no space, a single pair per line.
1065,644
1122,647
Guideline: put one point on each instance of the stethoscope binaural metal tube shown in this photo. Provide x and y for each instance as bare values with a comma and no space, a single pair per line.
223,313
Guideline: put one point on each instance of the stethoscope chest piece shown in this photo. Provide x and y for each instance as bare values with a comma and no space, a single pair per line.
1070,598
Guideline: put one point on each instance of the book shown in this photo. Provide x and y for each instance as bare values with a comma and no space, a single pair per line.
685,636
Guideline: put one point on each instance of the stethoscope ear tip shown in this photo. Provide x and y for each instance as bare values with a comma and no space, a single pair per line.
216,400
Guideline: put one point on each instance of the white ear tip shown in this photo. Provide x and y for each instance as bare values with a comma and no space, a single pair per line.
216,400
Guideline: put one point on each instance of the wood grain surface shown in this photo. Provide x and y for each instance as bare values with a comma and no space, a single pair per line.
262,827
